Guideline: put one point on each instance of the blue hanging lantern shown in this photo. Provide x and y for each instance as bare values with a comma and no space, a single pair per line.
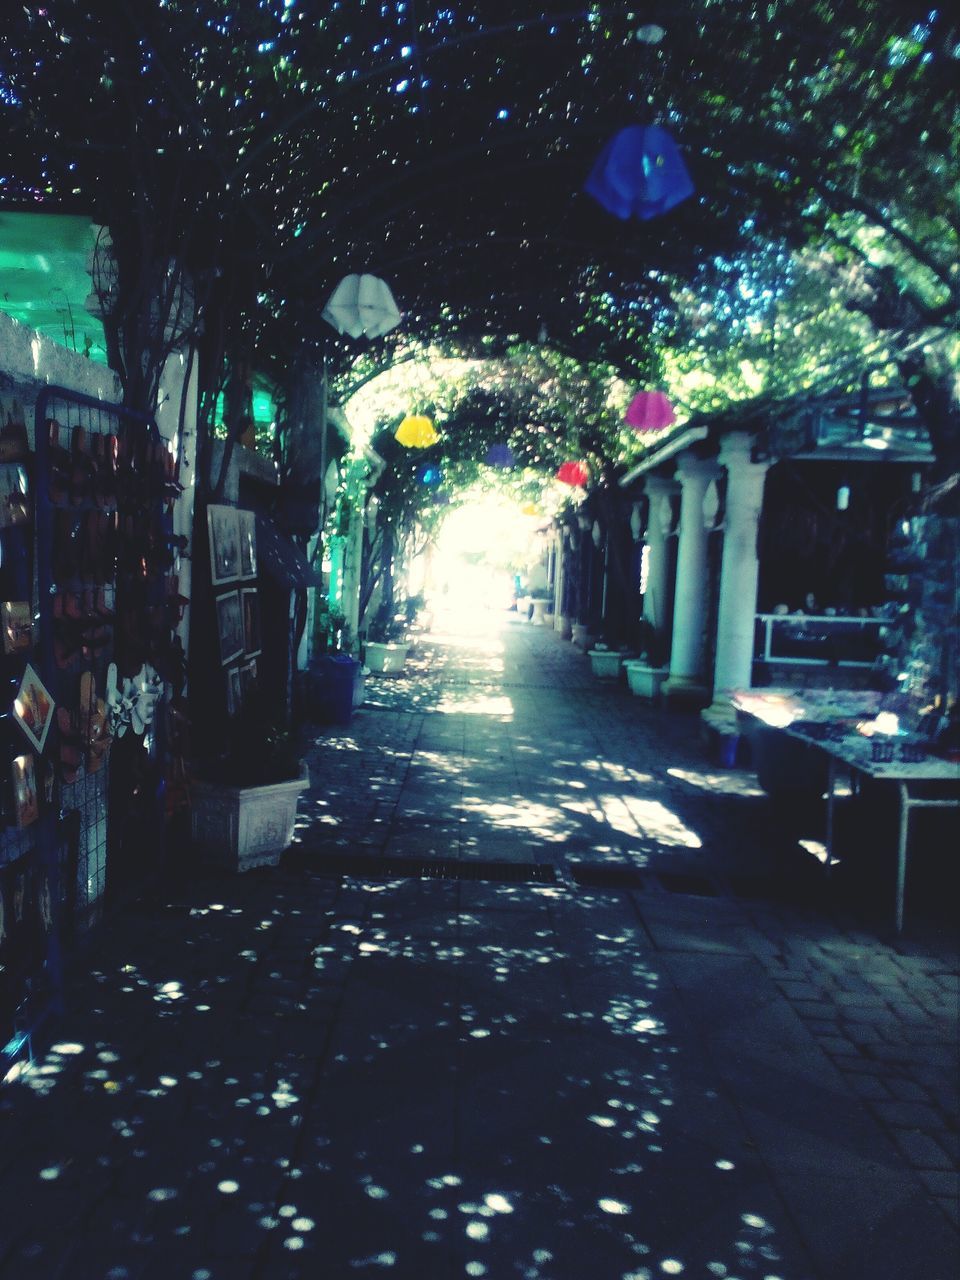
429,475
499,455
639,173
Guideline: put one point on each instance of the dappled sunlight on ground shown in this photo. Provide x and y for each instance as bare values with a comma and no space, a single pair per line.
377,1077
729,782
314,1071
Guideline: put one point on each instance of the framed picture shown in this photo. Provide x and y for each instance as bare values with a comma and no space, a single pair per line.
248,543
25,804
251,622
234,691
17,623
33,708
224,530
248,676
229,626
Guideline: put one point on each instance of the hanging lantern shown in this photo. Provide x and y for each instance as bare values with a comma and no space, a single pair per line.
530,509
362,306
574,474
416,432
639,173
429,475
499,455
649,411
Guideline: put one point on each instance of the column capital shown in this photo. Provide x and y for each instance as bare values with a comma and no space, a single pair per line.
735,453
691,468
659,486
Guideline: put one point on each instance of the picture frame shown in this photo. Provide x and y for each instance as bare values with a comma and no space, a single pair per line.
16,620
248,676
247,522
234,691
33,708
26,805
250,600
223,528
229,626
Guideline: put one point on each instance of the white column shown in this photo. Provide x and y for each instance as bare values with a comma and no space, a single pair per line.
175,391
658,491
690,597
739,567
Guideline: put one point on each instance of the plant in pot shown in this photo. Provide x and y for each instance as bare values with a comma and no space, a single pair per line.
387,644
244,807
647,673
607,658
539,600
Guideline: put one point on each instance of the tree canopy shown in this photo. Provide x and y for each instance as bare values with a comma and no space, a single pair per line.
269,147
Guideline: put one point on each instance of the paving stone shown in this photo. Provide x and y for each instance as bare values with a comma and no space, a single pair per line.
428,1043
922,1151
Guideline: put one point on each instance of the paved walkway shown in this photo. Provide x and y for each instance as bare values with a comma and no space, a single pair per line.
539,993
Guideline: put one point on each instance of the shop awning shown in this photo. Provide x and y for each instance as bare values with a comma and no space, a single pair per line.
282,559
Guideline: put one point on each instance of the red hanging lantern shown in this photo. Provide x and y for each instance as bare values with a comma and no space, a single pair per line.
574,474
650,411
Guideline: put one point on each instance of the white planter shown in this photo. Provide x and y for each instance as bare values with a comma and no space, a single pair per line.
386,658
241,827
539,609
523,607
605,663
561,623
644,680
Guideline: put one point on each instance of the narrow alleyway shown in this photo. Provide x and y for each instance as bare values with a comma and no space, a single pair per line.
539,992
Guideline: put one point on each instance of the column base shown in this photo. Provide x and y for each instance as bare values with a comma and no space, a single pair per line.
685,692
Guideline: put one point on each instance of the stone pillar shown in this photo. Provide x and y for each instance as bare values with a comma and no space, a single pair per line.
739,567
686,679
655,610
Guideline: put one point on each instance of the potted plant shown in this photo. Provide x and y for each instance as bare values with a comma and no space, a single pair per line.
647,673
538,607
387,644
606,660
244,807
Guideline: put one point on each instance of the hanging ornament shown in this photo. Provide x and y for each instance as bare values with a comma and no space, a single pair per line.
416,432
429,475
530,509
575,474
650,33
499,455
649,411
362,306
639,173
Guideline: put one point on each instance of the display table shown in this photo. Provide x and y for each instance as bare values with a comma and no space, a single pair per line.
827,723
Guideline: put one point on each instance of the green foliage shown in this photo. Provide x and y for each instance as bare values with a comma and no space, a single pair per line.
261,748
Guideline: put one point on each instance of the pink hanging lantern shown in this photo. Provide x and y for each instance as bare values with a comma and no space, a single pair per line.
650,411
574,474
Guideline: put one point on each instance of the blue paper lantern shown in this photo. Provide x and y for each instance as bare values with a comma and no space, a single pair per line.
499,455
639,173
429,475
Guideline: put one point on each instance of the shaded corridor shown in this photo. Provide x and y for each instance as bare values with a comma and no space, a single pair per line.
637,1037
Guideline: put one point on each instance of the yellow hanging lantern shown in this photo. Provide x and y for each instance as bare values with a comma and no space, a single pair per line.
416,432
530,509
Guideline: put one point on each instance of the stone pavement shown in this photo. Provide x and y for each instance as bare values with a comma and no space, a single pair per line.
539,992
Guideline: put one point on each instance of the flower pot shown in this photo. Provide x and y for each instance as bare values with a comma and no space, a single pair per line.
644,680
523,607
580,635
241,827
537,609
605,663
385,658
